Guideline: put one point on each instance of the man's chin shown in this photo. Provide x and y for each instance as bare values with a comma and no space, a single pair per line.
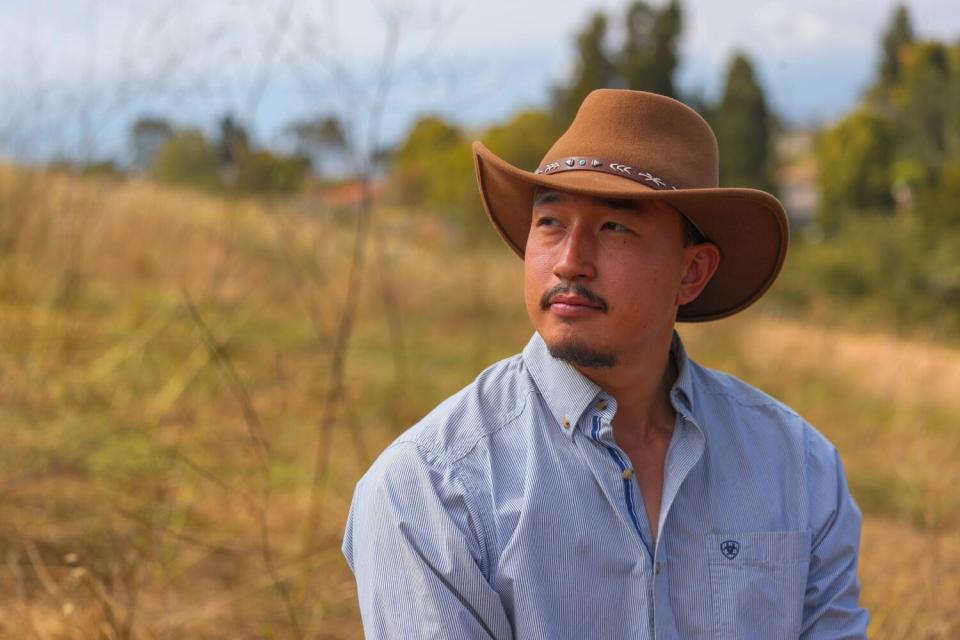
579,353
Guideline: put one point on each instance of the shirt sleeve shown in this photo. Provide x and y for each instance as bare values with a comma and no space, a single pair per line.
414,542
831,607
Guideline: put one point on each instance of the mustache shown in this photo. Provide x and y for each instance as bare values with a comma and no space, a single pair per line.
574,288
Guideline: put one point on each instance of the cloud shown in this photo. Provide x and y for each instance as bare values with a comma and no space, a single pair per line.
786,29
495,55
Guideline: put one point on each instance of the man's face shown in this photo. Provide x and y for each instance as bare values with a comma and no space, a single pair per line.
603,277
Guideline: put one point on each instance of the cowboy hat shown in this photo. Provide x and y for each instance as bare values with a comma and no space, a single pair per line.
636,145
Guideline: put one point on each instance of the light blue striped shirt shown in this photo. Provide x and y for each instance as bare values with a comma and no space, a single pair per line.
492,519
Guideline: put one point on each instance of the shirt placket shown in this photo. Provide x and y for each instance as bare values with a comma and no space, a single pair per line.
686,448
614,472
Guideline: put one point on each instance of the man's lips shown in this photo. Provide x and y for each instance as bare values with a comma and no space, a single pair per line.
573,301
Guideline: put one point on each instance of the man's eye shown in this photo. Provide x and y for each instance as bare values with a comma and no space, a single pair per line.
546,221
616,226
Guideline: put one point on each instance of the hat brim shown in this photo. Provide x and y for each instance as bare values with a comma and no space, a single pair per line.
748,225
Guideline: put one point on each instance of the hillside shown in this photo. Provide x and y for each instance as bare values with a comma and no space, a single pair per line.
182,440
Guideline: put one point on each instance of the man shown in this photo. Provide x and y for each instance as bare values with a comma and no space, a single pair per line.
601,484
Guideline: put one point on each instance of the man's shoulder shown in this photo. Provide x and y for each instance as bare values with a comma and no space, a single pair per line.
754,410
493,400
721,384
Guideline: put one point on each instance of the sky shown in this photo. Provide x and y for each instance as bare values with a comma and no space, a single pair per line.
77,73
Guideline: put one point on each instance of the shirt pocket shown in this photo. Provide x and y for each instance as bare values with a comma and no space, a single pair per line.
758,581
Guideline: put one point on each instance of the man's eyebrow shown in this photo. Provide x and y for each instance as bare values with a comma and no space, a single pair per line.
620,204
547,197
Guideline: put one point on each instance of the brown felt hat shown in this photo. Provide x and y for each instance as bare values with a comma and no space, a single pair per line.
637,145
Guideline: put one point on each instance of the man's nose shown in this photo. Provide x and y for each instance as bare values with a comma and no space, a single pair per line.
576,257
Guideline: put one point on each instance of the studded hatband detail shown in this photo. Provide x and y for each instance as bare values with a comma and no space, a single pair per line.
577,163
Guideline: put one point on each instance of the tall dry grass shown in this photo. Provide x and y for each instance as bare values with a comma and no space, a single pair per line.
164,363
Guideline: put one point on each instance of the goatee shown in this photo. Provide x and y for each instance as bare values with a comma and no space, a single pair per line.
581,355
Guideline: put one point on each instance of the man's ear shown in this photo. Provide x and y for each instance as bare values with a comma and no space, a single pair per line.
701,262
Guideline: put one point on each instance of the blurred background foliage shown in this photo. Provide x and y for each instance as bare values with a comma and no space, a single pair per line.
890,169
203,346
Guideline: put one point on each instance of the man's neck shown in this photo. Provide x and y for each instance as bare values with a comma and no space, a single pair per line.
641,385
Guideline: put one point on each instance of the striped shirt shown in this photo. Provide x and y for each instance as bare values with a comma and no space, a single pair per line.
511,512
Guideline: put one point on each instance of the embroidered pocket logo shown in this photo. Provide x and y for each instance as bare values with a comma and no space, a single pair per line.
730,548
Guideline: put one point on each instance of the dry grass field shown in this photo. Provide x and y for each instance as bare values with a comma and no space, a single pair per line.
190,387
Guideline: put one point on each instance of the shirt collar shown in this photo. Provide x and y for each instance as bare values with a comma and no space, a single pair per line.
568,392
681,395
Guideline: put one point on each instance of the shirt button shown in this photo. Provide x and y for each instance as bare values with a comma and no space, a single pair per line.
566,423
627,474
601,405
656,568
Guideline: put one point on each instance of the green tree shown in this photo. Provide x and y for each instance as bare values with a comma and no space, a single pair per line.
524,139
264,173
647,60
853,161
898,33
923,108
147,136
937,204
187,159
433,169
593,69
636,62
952,94
744,125
324,141
232,145
650,56
666,56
